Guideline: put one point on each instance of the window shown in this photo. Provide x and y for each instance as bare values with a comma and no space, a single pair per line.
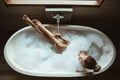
54,2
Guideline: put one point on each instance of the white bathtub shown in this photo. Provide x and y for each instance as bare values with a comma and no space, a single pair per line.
9,53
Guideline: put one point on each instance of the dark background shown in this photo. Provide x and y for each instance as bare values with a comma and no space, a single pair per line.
105,18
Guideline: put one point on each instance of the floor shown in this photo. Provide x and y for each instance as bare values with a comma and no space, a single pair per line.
6,73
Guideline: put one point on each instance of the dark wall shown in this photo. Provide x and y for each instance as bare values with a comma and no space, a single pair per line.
107,14
105,18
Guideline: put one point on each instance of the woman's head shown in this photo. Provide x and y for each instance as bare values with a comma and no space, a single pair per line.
88,61
91,63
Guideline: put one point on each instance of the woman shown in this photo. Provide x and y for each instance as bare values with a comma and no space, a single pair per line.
88,61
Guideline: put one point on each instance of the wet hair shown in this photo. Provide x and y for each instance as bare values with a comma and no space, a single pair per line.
91,63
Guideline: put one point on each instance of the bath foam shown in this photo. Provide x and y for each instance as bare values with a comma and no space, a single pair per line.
33,53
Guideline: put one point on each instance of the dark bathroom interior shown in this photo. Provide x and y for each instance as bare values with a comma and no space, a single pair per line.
105,18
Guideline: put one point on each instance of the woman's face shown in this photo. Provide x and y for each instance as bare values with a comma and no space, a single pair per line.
82,57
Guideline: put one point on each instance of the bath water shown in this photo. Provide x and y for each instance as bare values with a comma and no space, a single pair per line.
33,53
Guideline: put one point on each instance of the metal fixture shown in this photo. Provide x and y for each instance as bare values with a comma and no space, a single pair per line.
58,17
59,13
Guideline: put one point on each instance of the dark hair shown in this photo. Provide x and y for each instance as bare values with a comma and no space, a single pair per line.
91,63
